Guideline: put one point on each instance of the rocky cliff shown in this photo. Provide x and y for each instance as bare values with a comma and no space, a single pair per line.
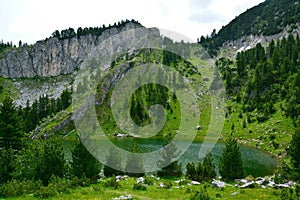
52,57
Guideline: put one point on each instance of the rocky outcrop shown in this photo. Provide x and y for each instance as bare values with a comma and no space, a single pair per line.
52,57
248,42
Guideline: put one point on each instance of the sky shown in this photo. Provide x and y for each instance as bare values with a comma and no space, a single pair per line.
33,20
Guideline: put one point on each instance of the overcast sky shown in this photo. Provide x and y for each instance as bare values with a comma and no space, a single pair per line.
32,20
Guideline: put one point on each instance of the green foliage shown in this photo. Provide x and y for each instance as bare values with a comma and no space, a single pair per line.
134,166
16,188
139,186
209,167
11,126
95,31
203,171
168,166
84,164
112,182
200,195
6,165
4,46
231,164
272,75
112,159
167,184
294,152
40,160
42,108
290,194
284,173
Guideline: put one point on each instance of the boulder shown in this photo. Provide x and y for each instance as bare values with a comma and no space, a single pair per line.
140,180
248,185
218,184
195,183
124,197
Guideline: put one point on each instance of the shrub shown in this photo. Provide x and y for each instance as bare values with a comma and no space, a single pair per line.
112,182
139,186
168,184
202,194
148,181
46,192
17,188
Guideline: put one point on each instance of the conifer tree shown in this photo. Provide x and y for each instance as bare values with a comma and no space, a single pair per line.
294,152
231,164
84,164
167,165
112,159
134,166
11,126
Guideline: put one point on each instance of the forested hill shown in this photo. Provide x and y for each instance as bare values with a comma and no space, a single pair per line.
268,18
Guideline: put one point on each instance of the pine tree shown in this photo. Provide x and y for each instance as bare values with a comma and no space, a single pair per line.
11,126
6,165
84,164
41,160
294,152
191,171
134,167
167,165
53,161
231,164
112,159
209,167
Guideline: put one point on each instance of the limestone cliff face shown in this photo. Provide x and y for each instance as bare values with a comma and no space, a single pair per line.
52,57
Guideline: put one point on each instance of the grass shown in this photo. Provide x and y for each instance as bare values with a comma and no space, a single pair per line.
176,192
7,89
272,135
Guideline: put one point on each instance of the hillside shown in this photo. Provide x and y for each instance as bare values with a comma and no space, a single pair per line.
268,18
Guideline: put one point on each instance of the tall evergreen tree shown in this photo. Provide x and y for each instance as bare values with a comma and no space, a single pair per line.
41,160
112,159
231,164
294,152
209,167
84,164
168,166
6,165
134,166
11,126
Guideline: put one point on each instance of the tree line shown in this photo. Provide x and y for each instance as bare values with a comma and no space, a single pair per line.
96,31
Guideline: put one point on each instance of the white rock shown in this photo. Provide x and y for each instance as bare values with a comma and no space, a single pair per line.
195,183
235,193
248,185
218,184
141,180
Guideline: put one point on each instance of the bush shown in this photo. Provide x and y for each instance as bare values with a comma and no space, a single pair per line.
200,195
16,188
139,186
112,182
168,184
148,181
46,192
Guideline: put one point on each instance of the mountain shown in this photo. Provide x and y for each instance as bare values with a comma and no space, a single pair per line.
60,54
268,18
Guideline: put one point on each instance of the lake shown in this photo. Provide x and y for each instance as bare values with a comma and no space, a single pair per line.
256,162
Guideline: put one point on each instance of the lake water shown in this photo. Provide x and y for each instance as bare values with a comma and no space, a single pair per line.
255,162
